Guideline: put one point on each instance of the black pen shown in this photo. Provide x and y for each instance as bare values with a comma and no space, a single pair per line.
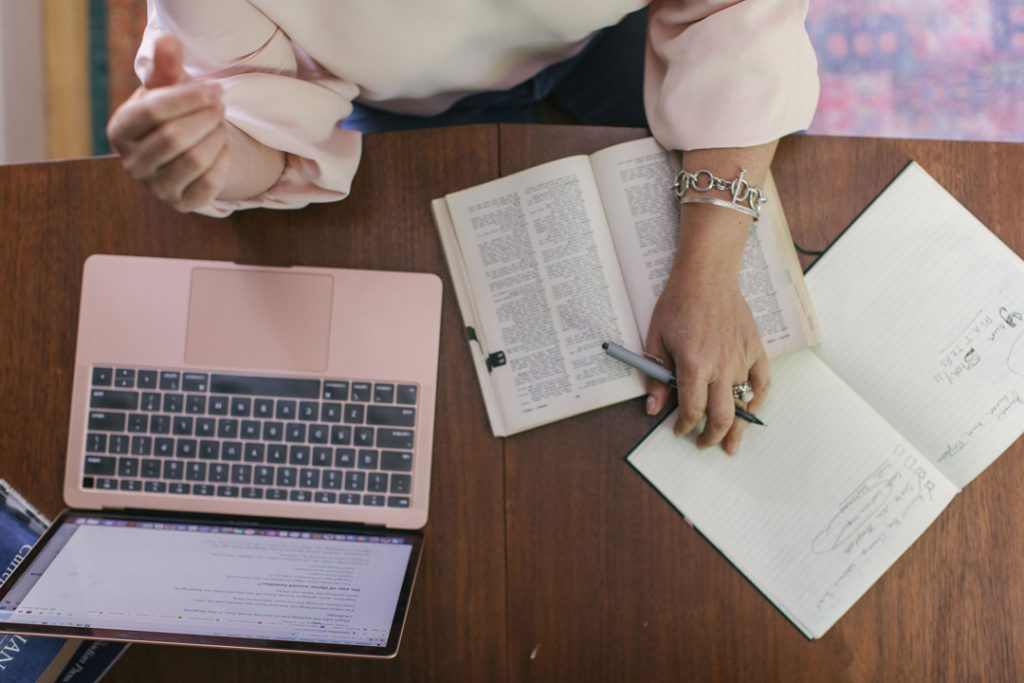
659,372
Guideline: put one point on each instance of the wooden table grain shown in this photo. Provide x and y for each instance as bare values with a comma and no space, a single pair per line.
547,558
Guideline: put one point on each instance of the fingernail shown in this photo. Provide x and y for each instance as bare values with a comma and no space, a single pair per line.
651,401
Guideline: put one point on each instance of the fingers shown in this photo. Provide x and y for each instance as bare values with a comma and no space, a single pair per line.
721,409
207,186
693,401
657,392
171,140
760,382
172,180
167,64
141,115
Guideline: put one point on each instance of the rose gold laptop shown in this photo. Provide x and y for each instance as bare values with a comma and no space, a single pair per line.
216,396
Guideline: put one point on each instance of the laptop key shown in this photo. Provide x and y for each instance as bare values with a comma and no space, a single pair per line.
241,407
142,445
178,488
344,457
114,400
277,454
383,393
138,423
295,432
330,412
102,377
318,433
127,467
231,451
209,450
355,481
393,416
195,471
398,501
349,498
100,464
146,379
96,443
332,479
206,426
186,448
298,455
263,408
397,461
273,431
118,443
354,413
170,381
155,487
377,482
323,456
252,492
227,491
253,452
195,404
218,405
173,469
368,460
364,436
341,435
309,478
163,447
250,429
394,438
106,484
150,402
300,496
286,476
263,475
227,428
373,500
160,424
336,391
106,422
194,381
124,377
131,485
218,472
361,391
245,385
182,426
202,490
150,468
174,403
401,483
308,410
325,497
276,494
241,474
285,410
406,394
88,482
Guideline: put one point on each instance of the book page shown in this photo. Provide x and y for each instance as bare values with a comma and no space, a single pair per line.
817,504
548,292
922,310
635,179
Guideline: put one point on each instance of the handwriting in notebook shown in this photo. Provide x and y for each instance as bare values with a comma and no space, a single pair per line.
1005,406
981,337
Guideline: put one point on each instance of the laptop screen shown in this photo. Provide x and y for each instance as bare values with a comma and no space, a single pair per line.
270,584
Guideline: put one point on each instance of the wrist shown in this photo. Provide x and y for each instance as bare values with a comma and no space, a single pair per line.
711,242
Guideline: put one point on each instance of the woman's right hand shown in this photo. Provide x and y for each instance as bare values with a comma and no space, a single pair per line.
172,135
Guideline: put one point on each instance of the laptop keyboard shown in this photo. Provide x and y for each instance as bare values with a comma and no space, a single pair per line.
175,432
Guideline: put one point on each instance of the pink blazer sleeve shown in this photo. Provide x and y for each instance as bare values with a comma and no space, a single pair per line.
272,91
732,73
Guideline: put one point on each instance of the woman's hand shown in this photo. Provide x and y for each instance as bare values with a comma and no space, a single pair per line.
171,133
703,329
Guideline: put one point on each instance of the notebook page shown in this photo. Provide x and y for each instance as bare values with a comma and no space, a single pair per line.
817,504
922,313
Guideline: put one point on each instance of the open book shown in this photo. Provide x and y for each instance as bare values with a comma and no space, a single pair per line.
916,387
552,261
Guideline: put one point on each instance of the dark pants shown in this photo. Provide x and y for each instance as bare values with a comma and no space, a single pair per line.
601,86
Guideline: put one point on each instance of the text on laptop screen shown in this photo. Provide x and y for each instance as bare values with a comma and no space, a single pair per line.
265,583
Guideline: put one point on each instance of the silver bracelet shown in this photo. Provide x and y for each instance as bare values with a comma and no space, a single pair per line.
742,191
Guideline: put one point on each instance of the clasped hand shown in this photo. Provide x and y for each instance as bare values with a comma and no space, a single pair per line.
172,134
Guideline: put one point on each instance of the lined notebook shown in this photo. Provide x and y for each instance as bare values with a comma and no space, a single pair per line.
917,386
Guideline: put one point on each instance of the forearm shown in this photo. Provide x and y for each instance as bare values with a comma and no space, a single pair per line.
711,238
254,166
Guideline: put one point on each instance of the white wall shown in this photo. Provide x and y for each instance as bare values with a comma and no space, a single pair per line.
22,82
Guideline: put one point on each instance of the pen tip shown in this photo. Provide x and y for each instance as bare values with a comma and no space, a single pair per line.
604,346
758,422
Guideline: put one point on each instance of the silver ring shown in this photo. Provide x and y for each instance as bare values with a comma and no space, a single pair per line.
744,393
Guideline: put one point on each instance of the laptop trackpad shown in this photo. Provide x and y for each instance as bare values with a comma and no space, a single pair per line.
259,319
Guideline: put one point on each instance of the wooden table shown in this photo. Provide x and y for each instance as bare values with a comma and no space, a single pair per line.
547,557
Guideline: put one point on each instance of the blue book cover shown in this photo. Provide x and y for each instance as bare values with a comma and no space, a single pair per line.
27,659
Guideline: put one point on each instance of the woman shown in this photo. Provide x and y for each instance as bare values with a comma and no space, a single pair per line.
244,104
